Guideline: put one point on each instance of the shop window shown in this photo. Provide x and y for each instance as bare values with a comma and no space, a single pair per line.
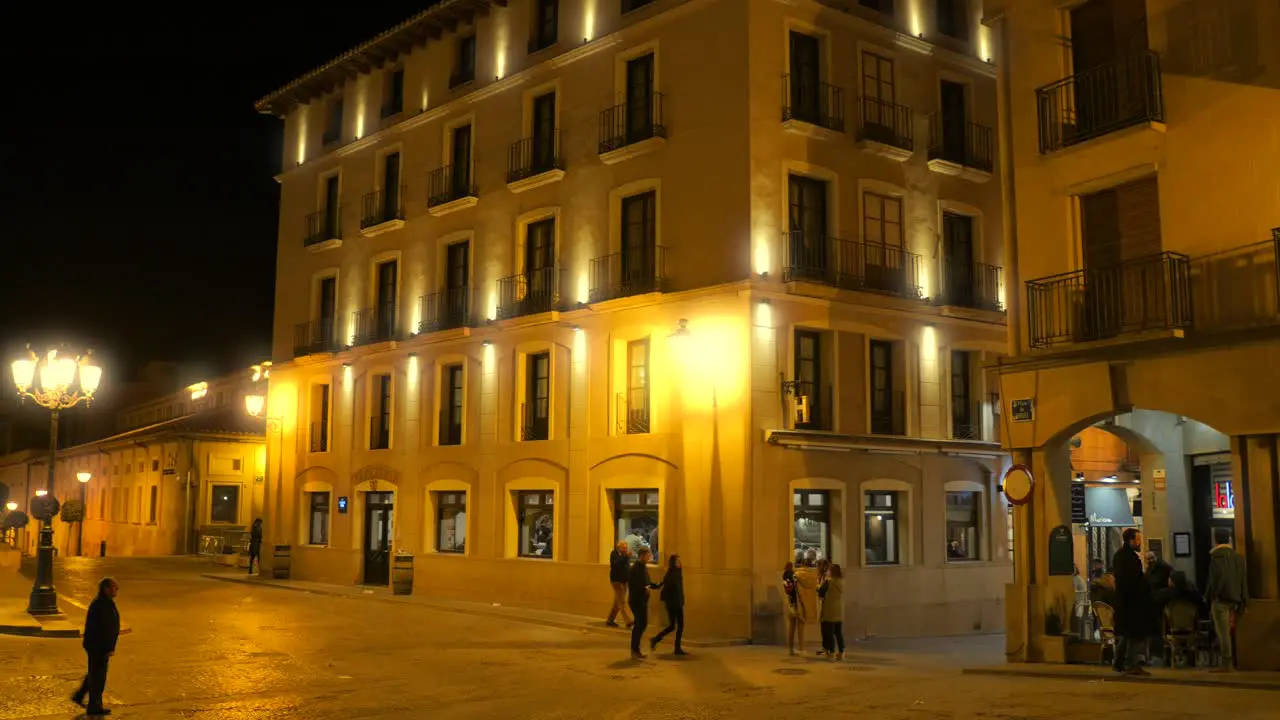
451,522
537,523
635,515
964,522
225,507
812,516
318,520
883,527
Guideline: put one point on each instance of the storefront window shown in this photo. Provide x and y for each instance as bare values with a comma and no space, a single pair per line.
537,523
225,507
636,519
319,526
882,525
963,522
812,512
451,522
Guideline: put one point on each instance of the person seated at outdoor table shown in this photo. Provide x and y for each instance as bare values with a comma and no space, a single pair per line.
1180,589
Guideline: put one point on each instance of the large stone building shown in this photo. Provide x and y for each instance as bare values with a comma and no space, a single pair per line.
1139,142
717,274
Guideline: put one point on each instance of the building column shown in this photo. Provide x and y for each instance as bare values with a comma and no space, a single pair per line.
1256,466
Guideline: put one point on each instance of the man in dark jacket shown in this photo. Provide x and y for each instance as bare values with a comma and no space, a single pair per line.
1227,592
1158,573
101,630
638,587
1134,612
255,545
619,559
672,597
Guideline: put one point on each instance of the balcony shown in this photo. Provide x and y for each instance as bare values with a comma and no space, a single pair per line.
445,310
1101,100
972,285
966,151
633,417
634,272
891,417
885,128
1143,295
534,161
967,425
382,211
375,324
540,41
392,107
628,130
324,230
535,421
851,265
814,103
461,77
316,336
450,189
529,293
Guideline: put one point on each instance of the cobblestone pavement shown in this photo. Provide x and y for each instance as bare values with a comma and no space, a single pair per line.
210,650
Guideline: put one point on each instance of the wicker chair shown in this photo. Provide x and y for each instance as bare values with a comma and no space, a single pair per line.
1181,620
1106,625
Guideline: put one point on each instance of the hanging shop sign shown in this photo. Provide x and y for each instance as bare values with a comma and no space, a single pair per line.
1018,484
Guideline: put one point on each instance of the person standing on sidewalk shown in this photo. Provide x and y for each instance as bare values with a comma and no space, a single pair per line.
1227,593
255,545
1133,605
805,609
672,597
638,587
101,631
832,613
618,580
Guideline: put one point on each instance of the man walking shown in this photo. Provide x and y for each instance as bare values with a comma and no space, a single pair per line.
1227,594
1133,605
255,545
618,580
638,587
101,630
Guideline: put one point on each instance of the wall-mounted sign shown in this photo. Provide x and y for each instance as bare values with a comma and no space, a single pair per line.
1061,551
1224,500
1182,544
1158,479
342,505
1079,515
1023,410
1018,484
1108,507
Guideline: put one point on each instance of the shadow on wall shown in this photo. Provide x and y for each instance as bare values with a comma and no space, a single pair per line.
1217,281
1222,40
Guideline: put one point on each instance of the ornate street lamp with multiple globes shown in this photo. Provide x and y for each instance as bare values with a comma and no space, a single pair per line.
56,382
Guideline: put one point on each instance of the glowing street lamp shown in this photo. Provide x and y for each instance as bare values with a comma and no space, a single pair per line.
84,476
11,506
56,382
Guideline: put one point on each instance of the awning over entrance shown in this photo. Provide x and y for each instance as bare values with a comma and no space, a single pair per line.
1108,507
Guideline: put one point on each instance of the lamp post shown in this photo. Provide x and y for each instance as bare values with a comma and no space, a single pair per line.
84,476
55,382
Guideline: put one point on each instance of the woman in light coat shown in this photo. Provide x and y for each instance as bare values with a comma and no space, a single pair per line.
805,610
832,615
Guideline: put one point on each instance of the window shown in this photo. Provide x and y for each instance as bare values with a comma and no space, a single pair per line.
385,310
393,93
319,429
885,264
882,528
965,413
333,128
635,514
380,417
963,522
460,161
953,18
225,507
318,520
327,312
629,5
812,515
544,132
102,504
807,248
804,86
236,464
465,64
639,240
546,25
640,101
536,413
537,523
808,381
878,85
451,407
222,400
884,6
636,402
451,522
155,502
884,410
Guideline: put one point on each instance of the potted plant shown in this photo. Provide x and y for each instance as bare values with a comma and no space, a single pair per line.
1055,622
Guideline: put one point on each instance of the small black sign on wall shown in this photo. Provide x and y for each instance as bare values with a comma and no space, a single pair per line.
1023,410
1061,551
1079,513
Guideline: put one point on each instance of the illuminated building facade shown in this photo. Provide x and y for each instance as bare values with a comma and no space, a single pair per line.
1139,144
718,276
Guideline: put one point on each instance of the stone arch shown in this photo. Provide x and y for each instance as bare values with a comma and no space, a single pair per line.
635,471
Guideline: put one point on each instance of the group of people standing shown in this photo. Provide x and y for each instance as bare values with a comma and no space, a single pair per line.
814,590
631,584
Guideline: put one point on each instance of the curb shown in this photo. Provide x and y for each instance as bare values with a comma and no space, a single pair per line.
477,611
1161,679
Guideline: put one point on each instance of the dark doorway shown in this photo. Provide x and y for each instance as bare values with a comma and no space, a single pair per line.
377,538
640,98
957,233
954,118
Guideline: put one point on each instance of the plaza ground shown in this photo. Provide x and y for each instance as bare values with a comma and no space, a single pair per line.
202,648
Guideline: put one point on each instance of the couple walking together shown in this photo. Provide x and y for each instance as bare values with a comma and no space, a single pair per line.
634,584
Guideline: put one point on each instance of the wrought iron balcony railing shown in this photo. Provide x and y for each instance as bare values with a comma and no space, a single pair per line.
535,420
973,146
633,417
626,124
967,425
1100,100
533,156
892,418
313,337
529,293
633,272
445,310
1238,287
851,265
461,77
972,285
449,183
1139,295
816,103
375,324
886,123
381,206
323,225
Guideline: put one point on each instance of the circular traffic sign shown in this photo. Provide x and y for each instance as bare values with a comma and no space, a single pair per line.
1018,484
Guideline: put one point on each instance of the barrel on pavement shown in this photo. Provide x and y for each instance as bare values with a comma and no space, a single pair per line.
280,563
402,575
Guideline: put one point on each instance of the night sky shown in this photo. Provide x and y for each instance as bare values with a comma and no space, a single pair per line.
139,209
